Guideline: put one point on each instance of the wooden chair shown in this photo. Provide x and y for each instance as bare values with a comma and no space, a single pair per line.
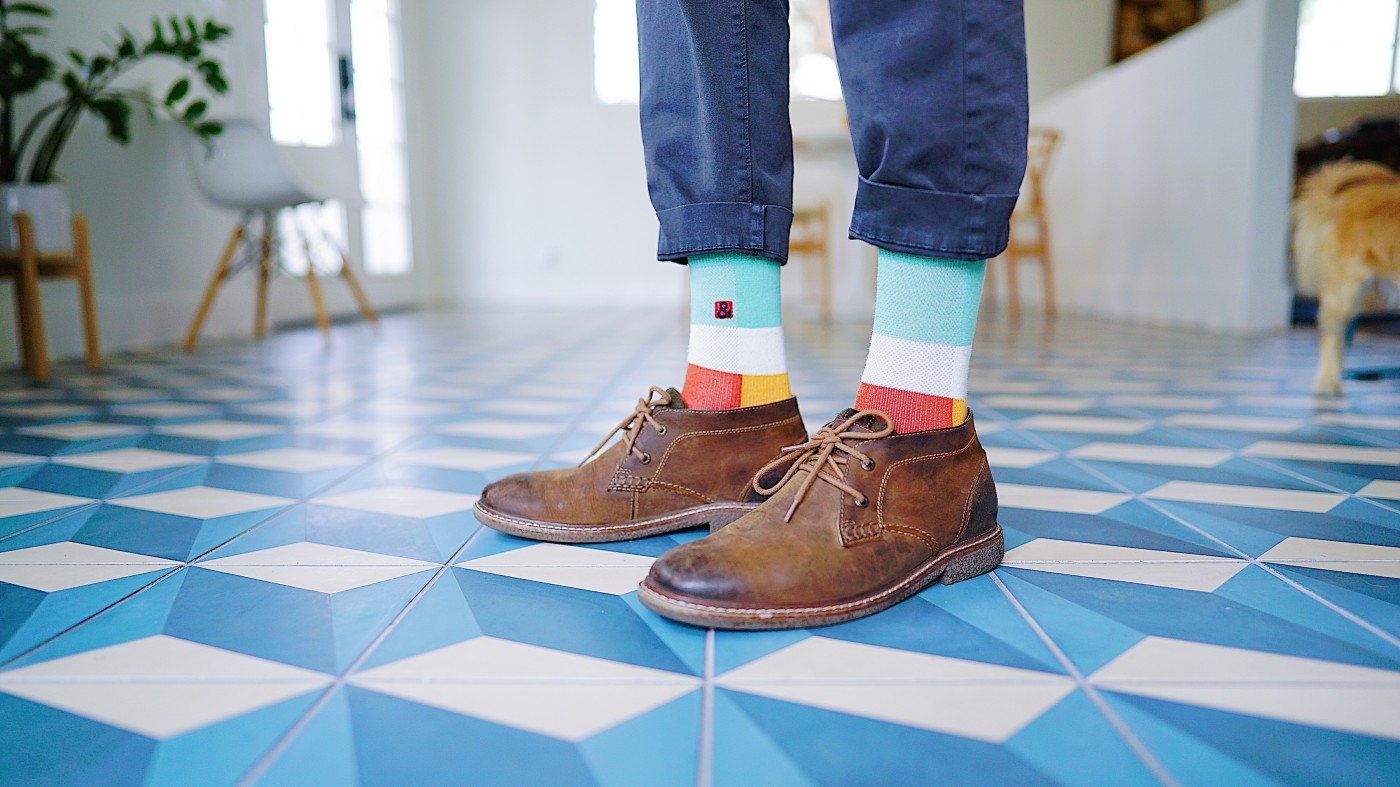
1030,212
811,235
27,266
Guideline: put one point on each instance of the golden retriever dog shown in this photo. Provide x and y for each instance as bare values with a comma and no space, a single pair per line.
1346,233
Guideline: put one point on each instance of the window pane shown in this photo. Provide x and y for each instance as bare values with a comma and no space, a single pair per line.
321,227
615,71
301,80
379,133
1345,47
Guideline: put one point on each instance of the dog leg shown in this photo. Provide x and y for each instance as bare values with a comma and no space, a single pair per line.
1337,307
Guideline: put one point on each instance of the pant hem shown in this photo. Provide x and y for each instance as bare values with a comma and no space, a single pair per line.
969,227
759,230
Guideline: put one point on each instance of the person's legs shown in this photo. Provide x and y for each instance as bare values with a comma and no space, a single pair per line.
940,170
714,110
896,493
719,167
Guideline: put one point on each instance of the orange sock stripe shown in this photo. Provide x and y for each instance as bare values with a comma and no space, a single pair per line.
707,389
911,411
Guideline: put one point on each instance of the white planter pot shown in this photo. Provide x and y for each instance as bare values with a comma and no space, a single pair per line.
47,205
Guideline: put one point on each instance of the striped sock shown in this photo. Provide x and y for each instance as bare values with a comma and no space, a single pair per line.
925,315
736,333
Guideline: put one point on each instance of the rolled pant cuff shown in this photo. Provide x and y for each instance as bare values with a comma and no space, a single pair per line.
759,230
970,227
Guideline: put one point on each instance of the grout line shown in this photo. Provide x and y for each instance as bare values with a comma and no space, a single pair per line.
1129,737
705,768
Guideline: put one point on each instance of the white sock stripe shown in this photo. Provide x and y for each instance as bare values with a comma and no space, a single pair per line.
922,367
738,350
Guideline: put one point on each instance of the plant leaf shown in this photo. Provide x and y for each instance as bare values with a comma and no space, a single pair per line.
116,116
195,111
177,91
33,9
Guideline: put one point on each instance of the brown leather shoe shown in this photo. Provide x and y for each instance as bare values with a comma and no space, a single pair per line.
863,519
674,468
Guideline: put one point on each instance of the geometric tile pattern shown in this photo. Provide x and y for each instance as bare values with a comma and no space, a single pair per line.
258,564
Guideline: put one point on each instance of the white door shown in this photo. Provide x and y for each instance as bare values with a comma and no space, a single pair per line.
335,105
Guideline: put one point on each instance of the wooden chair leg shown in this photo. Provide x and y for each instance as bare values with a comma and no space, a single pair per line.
82,256
1047,272
1013,286
264,273
318,304
36,358
353,283
220,273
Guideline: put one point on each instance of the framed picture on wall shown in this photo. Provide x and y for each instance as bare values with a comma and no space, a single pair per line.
1141,23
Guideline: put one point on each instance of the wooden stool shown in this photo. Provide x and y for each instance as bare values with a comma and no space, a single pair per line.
264,257
1031,210
27,266
811,233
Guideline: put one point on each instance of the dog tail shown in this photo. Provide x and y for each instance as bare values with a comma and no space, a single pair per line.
1315,212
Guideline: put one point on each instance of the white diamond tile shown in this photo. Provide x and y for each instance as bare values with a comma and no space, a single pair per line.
1136,453
1235,423
17,501
401,501
292,460
319,567
992,386
1167,402
972,699
160,687
1086,424
1388,490
166,410
202,502
1211,385
1046,404
1346,556
1179,570
1049,498
390,408
1249,496
128,460
549,692
1021,458
1286,402
47,410
598,570
8,459
1359,420
85,430
473,459
518,407
500,430
1327,694
218,431
357,430
1320,452
65,565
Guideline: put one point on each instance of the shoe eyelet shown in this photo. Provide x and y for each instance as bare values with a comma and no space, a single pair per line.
868,464
862,502
646,459
661,430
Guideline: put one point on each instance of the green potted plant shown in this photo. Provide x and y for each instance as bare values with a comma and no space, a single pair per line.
87,85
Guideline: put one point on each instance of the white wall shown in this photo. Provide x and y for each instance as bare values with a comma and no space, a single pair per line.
1169,195
154,241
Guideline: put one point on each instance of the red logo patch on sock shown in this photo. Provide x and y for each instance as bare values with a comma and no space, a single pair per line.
724,310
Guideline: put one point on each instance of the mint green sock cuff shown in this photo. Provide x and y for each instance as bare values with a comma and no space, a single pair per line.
927,299
751,284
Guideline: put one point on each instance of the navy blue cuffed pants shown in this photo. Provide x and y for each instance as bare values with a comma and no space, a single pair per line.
935,94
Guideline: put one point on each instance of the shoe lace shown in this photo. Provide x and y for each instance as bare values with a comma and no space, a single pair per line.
824,457
631,426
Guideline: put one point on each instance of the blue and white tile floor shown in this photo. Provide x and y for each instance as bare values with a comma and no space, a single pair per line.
258,565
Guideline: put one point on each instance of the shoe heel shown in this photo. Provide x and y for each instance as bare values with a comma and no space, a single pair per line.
975,563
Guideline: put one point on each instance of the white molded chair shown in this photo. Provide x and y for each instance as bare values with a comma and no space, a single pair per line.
243,170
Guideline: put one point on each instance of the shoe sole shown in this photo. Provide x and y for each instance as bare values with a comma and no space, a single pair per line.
959,563
713,515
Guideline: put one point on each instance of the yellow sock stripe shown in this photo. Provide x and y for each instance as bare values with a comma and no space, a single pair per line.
959,411
763,389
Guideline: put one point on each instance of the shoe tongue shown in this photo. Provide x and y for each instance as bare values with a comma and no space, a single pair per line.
677,403
869,423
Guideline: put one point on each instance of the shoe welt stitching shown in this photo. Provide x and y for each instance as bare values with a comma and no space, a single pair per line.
894,590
